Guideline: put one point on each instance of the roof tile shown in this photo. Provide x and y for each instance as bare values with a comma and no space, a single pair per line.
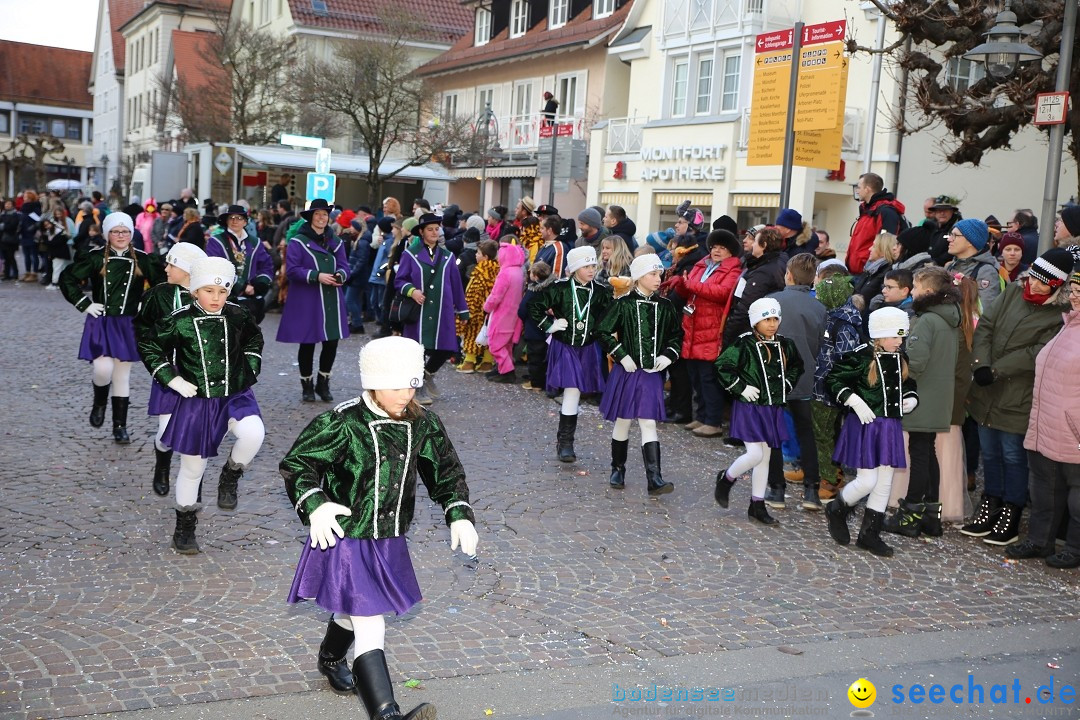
447,19
29,75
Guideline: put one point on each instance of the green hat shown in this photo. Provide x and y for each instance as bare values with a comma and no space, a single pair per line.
834,291
408,224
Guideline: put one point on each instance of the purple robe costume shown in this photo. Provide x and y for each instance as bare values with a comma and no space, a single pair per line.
439,279
314,312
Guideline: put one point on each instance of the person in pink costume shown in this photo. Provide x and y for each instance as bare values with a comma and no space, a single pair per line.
504,325
144,223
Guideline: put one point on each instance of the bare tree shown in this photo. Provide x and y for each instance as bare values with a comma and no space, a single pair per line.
31,151
984,115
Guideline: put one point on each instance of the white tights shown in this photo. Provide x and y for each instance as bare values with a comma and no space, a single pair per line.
571,398
876,482
648,430
369,632
162,423
109,370
756,460
249,434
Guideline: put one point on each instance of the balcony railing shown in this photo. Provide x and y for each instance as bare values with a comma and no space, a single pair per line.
624,135
521,133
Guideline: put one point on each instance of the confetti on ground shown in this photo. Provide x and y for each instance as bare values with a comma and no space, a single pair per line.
412,683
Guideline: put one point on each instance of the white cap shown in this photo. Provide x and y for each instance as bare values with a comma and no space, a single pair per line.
644,264
888,322
183,255
392,363
212,271
116,219
763,308
579,257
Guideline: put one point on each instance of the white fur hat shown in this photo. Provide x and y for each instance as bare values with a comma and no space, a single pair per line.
579,257
763,308
644,264
888,322
212,271
392,363
116,219
183,255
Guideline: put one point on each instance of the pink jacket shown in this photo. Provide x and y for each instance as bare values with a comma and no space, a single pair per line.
504,326
144,223
1054,423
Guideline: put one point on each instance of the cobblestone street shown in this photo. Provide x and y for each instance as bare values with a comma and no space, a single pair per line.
98,614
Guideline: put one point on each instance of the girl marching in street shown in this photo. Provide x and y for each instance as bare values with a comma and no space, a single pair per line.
254,266
351,474
210,353
315,310
570,310
117,274
873,381
758,369
643,334
161,301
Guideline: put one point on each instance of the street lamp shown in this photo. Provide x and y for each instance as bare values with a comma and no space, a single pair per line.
1003,51
484,124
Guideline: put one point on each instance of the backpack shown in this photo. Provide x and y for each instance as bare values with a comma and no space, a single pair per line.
828,355
904,223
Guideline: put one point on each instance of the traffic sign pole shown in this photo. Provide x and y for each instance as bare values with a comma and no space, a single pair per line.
789,123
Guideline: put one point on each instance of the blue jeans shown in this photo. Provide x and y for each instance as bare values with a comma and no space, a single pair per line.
375,293
354,305
1005,465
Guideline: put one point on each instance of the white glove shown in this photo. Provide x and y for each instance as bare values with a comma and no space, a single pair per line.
908,404
662,363
463,532
95,309
628,364
324,524
183,387
558,325
862,410
750,394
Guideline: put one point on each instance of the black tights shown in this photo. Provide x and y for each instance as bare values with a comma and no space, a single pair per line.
306,357
924,474
436,359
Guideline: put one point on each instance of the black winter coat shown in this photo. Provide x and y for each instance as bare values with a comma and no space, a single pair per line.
762,276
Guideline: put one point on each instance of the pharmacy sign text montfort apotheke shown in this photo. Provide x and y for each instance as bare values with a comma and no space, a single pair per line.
683,163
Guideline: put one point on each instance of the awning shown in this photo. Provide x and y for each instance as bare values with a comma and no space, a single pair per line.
676,199
304,161
754,200
499,171
614,198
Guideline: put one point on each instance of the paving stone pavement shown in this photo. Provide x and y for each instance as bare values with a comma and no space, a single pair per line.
99,615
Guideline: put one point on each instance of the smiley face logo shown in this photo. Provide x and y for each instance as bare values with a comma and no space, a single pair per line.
862,693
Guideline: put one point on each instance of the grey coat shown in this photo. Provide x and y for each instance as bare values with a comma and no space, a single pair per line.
931,351
983,270
803,319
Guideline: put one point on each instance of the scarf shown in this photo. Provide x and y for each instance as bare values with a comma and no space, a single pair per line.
1033,298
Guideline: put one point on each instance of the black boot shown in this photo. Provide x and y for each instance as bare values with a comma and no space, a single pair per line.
650,452
722,494
376,691
985,517
870,534
618,463
836,512
161,471
931,520
758,511
227,483
322,387
906,520
1007,528
565,438
308,386
810,499
119,420
183,539
101,401
332,658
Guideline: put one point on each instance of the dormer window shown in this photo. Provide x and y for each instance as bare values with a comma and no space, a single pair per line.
603,8
519,18
483,27
560,9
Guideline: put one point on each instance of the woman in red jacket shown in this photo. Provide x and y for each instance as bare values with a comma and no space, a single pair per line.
708,290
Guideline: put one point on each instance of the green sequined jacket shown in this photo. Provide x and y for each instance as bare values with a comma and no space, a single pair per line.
357,456
158,302
221,354
643,328
772,366
120,290
593,301
850,374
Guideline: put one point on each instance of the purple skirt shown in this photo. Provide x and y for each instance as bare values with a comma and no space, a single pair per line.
163,400
109,336
870,446
198,425
574,367
633,395
758,423
362,577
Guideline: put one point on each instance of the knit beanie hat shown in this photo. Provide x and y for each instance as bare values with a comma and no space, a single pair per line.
183,255
763,308
386,224
475,221
914,240
834,291
1052,267
579,257
114,220
1070,215
790,219
590,217
392,363
1011,238
975,232
888,322
497,213
644,264
212,271
408,224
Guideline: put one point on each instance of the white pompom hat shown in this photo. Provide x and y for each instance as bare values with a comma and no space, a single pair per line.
112,220
644,264
580,257
183,255
763,308
888,322
392,363
212,271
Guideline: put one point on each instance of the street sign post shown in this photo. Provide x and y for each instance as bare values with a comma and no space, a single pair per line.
821,63
1050,108
822,148
772,74
321,186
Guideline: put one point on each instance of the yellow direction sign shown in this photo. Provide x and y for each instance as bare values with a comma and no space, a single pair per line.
820,68
768,114
822,148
